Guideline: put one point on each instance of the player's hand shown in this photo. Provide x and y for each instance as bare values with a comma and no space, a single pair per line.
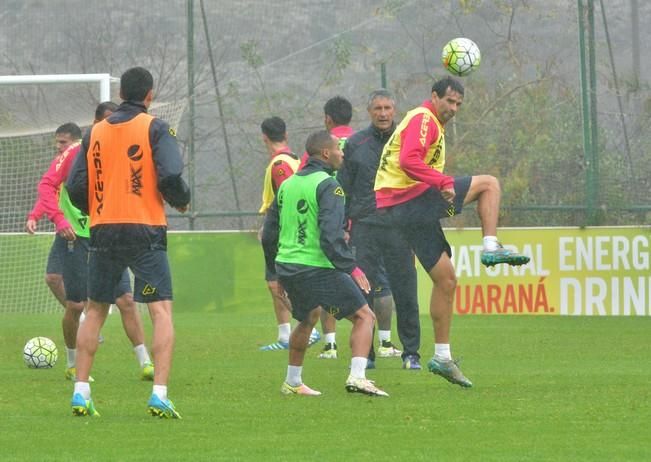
360,279
347,237
67,233
448,194
30,226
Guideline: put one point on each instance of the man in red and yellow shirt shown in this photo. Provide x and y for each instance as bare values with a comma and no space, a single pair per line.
413,193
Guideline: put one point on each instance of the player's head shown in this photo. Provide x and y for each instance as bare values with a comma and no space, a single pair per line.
274,130
136,85
338,111
104,110
447,96
322,145
381,109
65,135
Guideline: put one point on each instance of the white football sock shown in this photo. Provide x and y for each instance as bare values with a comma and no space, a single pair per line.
294,375
283,332
83,388
358,367
141,354
160,391
330,337
71,354
491,243
442,351
384,336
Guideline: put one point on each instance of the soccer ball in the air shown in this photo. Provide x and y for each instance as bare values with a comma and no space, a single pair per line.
40,353
461,56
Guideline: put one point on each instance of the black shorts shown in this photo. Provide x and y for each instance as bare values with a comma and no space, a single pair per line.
75,269
418,221
56,255
461,187
269,275
152,277
75,272
369,257
331,289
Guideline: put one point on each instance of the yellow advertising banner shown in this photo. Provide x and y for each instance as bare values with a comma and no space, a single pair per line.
596,271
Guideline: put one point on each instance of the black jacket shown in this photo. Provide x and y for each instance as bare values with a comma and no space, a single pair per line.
357,176
331,226
169,167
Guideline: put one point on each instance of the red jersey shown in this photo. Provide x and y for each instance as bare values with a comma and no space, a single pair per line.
47,202
343,132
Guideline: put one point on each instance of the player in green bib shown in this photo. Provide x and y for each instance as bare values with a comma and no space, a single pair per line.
303,240
75,217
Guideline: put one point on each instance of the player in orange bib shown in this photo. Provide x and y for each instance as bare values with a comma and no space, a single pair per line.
128,165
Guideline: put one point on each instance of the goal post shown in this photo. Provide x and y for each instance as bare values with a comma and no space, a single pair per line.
31,108
104,81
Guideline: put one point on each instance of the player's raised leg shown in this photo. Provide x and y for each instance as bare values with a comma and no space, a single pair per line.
486,191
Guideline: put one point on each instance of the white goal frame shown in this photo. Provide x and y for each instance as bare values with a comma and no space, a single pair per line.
104,81
25,153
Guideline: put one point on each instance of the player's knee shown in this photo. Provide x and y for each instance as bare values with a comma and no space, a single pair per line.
75,308
490,183
494,184
445,281
448,284
53,279
273,288
485,183
125,302
365,315
313,317
161,312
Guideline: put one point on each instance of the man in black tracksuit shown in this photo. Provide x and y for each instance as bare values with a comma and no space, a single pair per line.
357,177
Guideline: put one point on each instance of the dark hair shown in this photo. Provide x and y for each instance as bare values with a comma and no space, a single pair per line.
442,85
135,83
274,128
379,93
339,109
318,141
71,129
103,107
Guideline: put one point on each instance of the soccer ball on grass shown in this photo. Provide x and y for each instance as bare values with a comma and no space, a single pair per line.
40,353
460,56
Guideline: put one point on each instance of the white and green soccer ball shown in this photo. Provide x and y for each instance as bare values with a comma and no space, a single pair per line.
461,56
40,353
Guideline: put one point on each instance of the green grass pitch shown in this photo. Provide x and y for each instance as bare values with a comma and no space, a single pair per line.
546,389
